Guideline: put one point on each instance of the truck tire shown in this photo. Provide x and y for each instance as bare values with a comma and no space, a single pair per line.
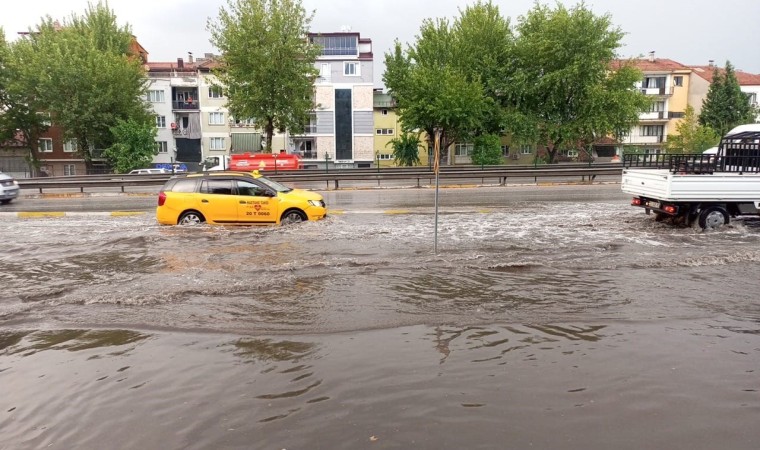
713,217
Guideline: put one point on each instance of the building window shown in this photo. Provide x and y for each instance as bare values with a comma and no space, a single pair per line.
217,143
351,69
651,130
678,80
216,118
384,112
307,150
70,145
162,147
337,45
384,131
752,97
215,92
45,145
463,149
69,169
657,107
652,151
526,149
384,156
570,153
160,121
156,96
653,82
505,150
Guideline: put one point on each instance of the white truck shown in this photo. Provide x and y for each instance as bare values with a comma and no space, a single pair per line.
705,189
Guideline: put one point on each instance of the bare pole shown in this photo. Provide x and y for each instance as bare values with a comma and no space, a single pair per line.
436,169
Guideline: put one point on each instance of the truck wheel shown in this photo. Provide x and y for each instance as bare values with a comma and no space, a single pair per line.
713,217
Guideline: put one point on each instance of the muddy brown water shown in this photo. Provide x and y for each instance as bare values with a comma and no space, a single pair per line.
538,325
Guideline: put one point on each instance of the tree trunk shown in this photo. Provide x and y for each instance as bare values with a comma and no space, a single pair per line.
269,131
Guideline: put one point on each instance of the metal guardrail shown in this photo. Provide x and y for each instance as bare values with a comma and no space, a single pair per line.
499,173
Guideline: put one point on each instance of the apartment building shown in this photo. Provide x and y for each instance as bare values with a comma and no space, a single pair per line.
386,125
749,83
667,83
341,131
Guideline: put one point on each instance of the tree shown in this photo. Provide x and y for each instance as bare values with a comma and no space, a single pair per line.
692,137
134,147
566,89
725,105
20,120
432,91
487,150
483,50
267,63
85,76
406,149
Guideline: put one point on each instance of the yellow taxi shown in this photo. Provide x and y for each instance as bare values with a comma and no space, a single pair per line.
235,198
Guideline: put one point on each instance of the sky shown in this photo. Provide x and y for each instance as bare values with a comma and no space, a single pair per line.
691,32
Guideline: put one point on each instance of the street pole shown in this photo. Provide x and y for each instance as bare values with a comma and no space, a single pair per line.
436,169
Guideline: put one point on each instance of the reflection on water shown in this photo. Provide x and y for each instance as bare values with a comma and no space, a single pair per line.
434,387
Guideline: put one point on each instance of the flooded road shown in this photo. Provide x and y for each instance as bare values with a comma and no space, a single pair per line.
540,323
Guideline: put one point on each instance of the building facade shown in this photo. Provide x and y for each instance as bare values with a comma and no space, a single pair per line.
667,83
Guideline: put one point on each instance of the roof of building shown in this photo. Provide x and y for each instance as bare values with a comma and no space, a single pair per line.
744,78
653,64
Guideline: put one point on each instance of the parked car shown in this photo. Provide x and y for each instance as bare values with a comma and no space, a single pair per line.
148,171
234,198
8,188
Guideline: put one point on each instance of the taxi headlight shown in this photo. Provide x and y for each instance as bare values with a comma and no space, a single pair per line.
315,202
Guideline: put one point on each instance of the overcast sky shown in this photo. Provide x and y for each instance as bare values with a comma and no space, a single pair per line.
687,31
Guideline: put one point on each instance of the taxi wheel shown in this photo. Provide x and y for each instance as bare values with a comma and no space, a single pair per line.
191,218
292,216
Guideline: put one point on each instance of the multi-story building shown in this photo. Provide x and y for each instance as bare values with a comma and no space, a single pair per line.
386,125
341,131
749,83
179,111
667,83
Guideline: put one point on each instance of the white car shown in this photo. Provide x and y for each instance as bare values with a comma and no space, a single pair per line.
148,171
8,188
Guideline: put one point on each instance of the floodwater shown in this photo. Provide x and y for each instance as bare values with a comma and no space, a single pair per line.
547,325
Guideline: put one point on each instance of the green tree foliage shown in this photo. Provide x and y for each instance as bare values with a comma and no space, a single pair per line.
134,146
692,137
267,62
483,49
566,90
432,91
406,149
725,106
20,122
487,150
85,76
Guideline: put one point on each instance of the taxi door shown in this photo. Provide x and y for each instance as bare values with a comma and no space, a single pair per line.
217,202
256,204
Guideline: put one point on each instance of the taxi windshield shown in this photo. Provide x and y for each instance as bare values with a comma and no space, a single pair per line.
274,185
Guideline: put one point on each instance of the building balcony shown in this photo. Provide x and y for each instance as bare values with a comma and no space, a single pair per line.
653,116
639,139
185,105
667,91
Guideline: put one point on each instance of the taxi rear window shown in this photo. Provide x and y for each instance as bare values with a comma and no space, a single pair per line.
184,185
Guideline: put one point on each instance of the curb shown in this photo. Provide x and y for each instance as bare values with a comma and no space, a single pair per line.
58,214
